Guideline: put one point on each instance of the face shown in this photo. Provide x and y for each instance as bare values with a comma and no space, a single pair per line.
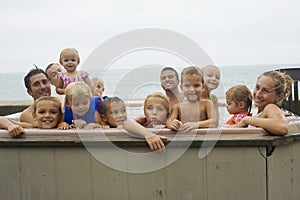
116,114
69,61
168,80
39,86
53,73
264,92
47,114
211,77
80,105
232,106
155,109
99,88
192,87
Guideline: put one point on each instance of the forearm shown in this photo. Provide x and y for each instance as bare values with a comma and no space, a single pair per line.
60,90
275,126
209,123
137,129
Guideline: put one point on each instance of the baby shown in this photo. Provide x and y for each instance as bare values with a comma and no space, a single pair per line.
99,87
239,102
193,112
113,113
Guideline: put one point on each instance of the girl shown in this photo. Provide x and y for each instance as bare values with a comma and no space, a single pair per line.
156,110
271,87
113,113
239,102
47,114
81,108
99,87
69,59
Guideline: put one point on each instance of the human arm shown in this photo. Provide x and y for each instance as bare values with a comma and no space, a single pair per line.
59,87
173,122
14,129
272,120
154,141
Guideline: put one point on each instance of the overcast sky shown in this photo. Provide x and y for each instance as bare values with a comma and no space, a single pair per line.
231,32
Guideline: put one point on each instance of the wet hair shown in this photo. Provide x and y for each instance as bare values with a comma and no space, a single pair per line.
192,70
69,50
107,102
50,65
282,81
170,69
159,95
240,93
31,73
77,88
49,98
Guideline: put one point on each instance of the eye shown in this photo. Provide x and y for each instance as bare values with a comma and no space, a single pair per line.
41,112
163,78
66,60
36,84
99,86
123,111
73,60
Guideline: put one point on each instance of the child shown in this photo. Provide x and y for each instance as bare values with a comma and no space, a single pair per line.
99,87
47,114
113,113
211,76
193,112
156,110
69,59
81,108
239,102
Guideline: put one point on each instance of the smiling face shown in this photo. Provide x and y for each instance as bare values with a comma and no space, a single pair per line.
53,73
169,80
191,86
39,86
69,59
264,93
155,109
80,104
115,114
211,76
47,114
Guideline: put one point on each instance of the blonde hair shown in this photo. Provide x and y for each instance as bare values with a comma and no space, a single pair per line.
55,100
283,83
95,80
77,88
70,51
192,70
240,93
159,95
209,66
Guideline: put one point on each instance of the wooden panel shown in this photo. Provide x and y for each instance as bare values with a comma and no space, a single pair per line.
236,173
37,173
72,172
10,184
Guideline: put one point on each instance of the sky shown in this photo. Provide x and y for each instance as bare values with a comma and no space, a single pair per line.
231,32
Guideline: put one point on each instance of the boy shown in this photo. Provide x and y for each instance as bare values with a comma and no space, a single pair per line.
193,112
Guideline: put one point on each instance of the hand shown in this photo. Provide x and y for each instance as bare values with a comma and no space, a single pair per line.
155,142
176,124
63,126
159,126
15,130
79,123
188,126
243,123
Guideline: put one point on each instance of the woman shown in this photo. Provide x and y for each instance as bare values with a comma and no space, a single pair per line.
271,88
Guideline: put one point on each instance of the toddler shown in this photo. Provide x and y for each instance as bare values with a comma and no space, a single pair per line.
81,108
193,112
156,110
54,70
239,102
69,59
99,87
113,113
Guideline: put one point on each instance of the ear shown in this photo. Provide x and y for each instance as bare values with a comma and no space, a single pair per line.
29,92
280,97
34,116
241,104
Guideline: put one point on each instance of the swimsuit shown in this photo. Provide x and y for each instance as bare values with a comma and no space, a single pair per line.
237,118
67,80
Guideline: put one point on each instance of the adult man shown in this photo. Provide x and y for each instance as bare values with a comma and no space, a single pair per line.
37,84
169,81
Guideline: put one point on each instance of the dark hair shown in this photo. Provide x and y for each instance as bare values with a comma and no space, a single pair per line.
108,101
48,66
171,69
240,93
31,73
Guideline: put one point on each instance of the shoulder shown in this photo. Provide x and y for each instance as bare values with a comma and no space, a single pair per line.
26,115
272,111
